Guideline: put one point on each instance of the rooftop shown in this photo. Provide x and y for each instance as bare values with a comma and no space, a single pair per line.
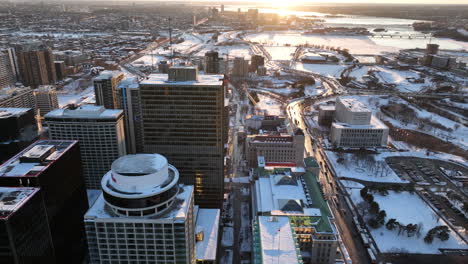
106,75
177,213
86,112
12,198
277,242
375,123
203,80
36,158
353,105
208,223
6,112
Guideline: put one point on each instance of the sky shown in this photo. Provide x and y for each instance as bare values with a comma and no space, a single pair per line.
285,2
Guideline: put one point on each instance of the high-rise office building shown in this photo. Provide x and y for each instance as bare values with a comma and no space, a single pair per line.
55,167
100,133
241,67
128,99
184,118
60,70
104,88
36,64
19,130
8,70
256,62
143,215
46,99
211,62
17,97
24,229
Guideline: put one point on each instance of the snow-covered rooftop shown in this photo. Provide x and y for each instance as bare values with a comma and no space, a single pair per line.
203,80
277,241
208,223
353,105
6,112
86,112
375,123
105,75
12,198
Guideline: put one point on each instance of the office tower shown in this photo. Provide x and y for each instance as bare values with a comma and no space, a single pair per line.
104,88
163,67
8,71
100,133
17,97
19,130
24,229
128,95
256,61
241,67
36,64
55,167
211,62
143,214
60,70
184,119
46,99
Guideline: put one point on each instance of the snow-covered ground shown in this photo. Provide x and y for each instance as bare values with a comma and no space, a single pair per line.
283,91
271,106
329,70
283,53
408,208
239,50
355,44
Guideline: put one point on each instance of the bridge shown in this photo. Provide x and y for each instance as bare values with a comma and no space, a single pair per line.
401,36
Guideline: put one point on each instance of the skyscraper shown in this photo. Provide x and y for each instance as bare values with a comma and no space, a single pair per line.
104,88
211,62
128,99
143,215
55,167
184,119
46,99
100,133
8,71
19,130
36,64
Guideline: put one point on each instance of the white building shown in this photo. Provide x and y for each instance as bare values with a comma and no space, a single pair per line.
100,133
46,99
145,216
356,127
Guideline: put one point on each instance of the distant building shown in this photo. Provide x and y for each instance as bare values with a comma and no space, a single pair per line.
261,71
163,67
256,62
326,115
128,94
55,167
17,97
8,68
211,62
60,70
143,215
356,127
19,130
24,227
101,134
71,57
432,49
36,64
241,67
45,98
104,88
288,205
184,118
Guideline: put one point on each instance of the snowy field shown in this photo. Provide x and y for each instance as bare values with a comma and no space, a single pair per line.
328,70
355,44
148,60
270,106
233,51
281,52
408,208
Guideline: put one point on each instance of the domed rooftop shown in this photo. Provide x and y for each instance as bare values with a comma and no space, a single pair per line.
139,164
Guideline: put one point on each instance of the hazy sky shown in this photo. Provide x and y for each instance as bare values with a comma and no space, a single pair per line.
356,1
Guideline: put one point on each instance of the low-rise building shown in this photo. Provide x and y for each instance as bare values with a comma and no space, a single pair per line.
45,98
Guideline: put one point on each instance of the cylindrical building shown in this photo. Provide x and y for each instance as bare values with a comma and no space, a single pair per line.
140,185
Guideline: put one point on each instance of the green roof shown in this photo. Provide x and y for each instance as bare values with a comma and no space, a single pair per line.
318,202
311,162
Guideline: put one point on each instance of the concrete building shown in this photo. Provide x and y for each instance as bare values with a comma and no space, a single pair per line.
128,99
36,64
55,167
275,142
185,119
163,67
8,68
241,67
211,62
45,98
143,215
24,227
17,97
256,62
101,134
356,127
105,88
19,130
288,206
326,115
